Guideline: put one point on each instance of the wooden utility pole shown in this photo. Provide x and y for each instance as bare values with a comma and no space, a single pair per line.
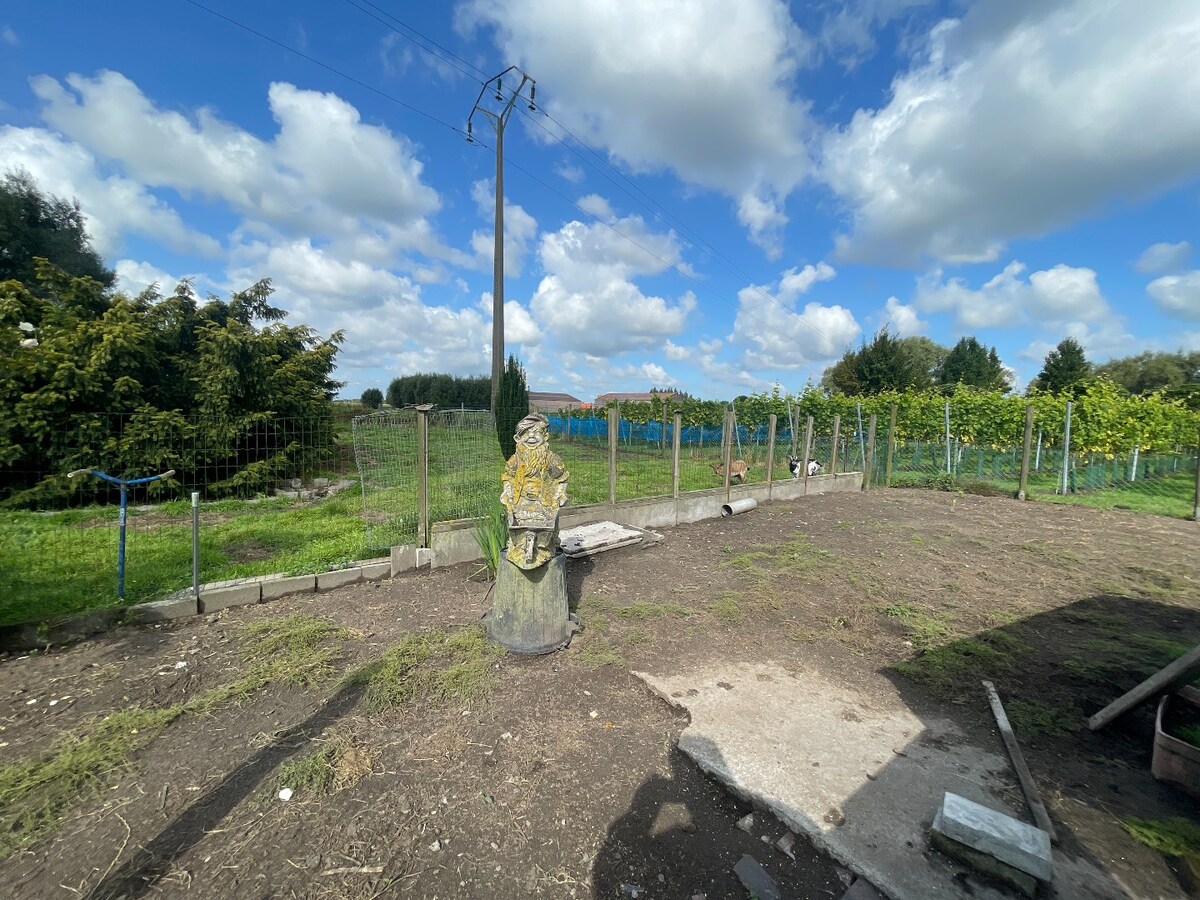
499,120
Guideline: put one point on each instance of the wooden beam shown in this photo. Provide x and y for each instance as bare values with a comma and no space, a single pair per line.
1158,683
1032,797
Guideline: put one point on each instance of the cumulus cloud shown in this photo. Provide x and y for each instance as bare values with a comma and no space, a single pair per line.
902,320
1053,296
1177,295
520,228
1164,257
598,207
707,95
133,277
9,36
1017,119
325,171
114,205
773,335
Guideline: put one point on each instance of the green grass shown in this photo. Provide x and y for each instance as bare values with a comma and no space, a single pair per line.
312,773
727,608
1174,837
1030,717
947,669
1167,495
430,665
37,793
597,652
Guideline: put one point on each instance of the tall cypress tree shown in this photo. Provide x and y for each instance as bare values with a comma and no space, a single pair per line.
512,405
1065,369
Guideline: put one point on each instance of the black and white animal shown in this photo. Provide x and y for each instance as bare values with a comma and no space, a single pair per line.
794,467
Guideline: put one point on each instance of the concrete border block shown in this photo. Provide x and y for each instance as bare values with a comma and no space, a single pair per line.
273,588
425,557
376,571
242,595
327,581
403,559
177,606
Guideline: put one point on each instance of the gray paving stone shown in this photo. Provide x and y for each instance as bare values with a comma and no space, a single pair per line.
376,571
242,595
995,834
404,558
178,606
328,580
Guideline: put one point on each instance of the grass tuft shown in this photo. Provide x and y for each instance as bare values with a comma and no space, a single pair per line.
726,608
598,652
1174,837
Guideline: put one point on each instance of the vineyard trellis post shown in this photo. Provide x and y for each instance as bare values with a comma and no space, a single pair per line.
614,424
1066,454
808,438
869,454
833,454
675,455
1196,506
727,438
949,471
423,474
1024,485
862,449
772,420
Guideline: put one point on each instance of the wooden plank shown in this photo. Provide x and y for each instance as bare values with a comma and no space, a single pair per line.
1158,683
1032,797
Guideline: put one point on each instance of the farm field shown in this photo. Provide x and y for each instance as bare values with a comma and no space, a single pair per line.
424,764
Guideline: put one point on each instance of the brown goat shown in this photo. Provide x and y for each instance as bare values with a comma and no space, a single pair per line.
737,469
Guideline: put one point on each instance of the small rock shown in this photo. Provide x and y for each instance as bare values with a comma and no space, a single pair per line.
435,846
212,620
285,795
593,714
787,845
746,822
632,890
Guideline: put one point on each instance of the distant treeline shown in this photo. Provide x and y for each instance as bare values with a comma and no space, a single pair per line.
444,391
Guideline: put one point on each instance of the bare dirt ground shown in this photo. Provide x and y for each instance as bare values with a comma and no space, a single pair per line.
557,777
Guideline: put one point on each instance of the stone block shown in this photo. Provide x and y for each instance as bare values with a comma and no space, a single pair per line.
376,571
177,606
296,584
327,581
223,598
993,842
404,558
425,557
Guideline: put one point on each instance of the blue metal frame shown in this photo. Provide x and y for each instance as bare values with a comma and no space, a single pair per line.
124,484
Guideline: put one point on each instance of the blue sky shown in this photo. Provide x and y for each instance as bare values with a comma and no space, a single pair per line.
705,199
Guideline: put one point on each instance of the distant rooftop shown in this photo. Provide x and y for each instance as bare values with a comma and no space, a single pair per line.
551,401
632,396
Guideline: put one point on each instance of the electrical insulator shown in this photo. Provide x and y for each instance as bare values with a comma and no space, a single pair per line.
470,140
532,97
499,88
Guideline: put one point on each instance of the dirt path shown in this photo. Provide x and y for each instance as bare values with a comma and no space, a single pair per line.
557,777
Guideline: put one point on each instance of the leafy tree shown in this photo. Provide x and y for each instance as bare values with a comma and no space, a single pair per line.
35,225
1149,371
1066,369
512,404
150,383
970,364
446,391
887,363
372,398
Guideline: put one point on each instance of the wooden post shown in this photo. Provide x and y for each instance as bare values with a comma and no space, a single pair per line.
794,425
1158,683
423,474
891,448
772,420
1028,785
1023,489
675,456
728,441
833,454
869,462
1196,508
614,423
568,435
808,429
663,448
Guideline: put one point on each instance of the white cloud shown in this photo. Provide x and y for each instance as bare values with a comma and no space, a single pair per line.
597,206
1052,296
9,36
675,352
696,89
570,173
1178,295
772,335
1018,119
1164,257
133,277
902,320
324,171
846,32
114,206
519,326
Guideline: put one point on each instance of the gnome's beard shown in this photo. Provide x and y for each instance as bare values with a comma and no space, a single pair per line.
534,460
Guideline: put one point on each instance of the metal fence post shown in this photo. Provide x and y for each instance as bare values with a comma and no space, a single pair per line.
1196,507
614,426
1066,457
423,474
1037,460
1022,491
833,454
794,425
891,447
195,543
678,423
808,438
772,420
869,454
862,447
728,448
949,471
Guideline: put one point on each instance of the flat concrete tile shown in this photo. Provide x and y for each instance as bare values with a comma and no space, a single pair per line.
376,571
295,584
328,580
403,559
242,595
178,606
996,834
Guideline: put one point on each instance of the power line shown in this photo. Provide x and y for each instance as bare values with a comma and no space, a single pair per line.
478,75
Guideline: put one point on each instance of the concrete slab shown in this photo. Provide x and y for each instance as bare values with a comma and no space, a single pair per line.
756,880
273,588
177,606
596,537
854,768
223,598
376,571
327,581
404,557
998,835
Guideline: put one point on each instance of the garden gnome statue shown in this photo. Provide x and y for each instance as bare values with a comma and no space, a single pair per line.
530,613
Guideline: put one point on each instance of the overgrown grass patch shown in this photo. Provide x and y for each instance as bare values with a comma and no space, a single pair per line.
430,665
1029,717
727,608
37,793
1174,837
597,652
956,667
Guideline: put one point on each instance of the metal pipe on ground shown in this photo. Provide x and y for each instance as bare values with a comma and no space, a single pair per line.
736,507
